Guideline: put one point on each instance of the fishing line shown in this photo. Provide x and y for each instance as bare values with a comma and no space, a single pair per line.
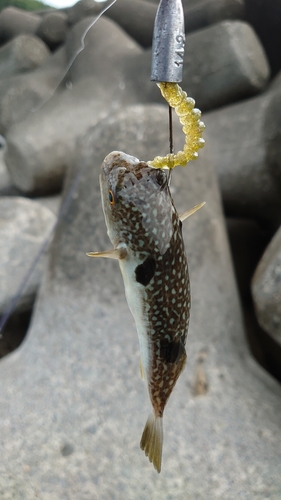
171,141
171,136
76,53
65,204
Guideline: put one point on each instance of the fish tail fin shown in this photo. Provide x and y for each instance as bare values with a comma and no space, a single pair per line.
152,440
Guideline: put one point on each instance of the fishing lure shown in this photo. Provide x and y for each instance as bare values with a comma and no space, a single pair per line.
192,127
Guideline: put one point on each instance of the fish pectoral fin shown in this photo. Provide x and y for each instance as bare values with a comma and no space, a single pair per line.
115,253
152,440
141,370
192,211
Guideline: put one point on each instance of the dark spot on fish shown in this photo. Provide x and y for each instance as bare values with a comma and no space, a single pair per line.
145,271
66,449
161,178
171,351
138,170
138,175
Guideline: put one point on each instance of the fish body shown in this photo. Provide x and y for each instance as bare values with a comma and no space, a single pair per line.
146,232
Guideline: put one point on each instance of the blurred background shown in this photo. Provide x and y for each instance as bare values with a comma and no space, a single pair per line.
61,111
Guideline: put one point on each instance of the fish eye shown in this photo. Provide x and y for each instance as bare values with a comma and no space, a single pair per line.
111,197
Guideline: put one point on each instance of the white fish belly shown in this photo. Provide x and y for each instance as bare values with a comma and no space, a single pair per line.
135,295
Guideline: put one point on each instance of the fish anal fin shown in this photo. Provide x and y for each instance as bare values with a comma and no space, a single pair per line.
142,370
115,253
192,211
152,440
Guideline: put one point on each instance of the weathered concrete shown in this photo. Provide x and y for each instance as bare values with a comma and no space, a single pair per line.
136,18
40,148
14,22
23,53
24,225
201,13
6,185
83,8
107,48
223,63
266,288
21,95
53,29
265,17
72,405
246,146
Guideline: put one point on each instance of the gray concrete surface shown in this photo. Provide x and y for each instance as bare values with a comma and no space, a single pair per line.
72,404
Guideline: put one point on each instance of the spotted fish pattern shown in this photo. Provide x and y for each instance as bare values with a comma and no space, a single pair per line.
146,232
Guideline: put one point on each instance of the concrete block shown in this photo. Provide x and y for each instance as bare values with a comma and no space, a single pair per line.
72,404
23,53
41,148
23,94
24,225
136,18
14,22
266,288
53,29
246,141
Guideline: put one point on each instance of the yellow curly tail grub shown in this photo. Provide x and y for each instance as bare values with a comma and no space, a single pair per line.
192,127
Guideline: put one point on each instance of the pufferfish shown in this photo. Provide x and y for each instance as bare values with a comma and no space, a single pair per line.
146,232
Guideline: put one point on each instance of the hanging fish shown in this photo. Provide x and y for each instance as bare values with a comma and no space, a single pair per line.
146,232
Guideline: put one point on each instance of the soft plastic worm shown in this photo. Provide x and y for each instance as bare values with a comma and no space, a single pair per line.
192,127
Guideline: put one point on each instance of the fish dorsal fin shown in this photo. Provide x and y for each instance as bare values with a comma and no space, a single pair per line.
115,253
192,211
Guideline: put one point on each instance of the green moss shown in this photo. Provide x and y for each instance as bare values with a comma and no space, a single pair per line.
23,4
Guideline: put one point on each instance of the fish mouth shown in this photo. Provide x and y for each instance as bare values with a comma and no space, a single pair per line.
137,202
117,164
118,159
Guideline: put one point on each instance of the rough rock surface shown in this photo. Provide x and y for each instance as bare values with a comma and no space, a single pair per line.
84,8
23,53
22,94
136,18
24,225
40,148
72,404
201,13
247,240
238,62
223,63
52,202
265,17
53,29
14,22
104,55
6,185
266,288
5,180
246,147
